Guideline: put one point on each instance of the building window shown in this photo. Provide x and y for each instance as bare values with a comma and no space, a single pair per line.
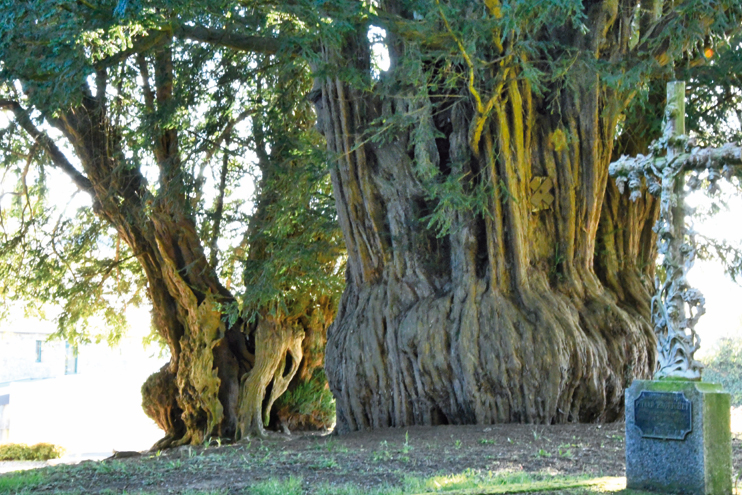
70,359
38,351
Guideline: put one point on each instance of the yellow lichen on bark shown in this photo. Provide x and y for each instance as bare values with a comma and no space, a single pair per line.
202,374
558,140
197,379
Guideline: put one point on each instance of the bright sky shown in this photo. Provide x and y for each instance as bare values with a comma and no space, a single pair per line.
723,297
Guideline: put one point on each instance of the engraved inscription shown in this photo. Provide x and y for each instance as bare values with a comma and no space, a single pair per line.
665,415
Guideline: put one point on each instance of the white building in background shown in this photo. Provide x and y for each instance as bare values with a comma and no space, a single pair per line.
85,399
26,353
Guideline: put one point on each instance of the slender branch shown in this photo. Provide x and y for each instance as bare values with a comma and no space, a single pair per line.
215,145
219,209
53,243
24,174
226,132
58,158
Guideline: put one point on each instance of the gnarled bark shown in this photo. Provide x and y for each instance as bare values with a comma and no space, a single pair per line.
213,370
278,352
518,314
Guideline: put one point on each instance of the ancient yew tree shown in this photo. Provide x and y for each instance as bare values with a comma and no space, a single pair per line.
494,272
471,296
158,133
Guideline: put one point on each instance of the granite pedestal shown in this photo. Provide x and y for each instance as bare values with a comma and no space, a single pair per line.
678,437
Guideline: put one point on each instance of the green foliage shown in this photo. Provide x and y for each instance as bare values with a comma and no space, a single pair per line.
296,254
23,452
73,262
724,365
729,255
291,486
21,482
311,399
715,91
69,260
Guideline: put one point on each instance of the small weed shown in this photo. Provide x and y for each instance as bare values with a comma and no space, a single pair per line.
383,454
457,444
212,442
324,463
487,441
379,456
565,451
543,453
406,447
264,450
332,446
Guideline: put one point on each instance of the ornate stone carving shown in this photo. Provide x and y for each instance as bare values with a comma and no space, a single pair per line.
676,306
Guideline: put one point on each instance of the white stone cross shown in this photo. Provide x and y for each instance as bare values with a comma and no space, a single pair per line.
676,306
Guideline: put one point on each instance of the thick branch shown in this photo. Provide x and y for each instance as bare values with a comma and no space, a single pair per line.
149,96
139,46
58,158
235,41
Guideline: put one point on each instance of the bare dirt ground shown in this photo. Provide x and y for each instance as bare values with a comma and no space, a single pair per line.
368,460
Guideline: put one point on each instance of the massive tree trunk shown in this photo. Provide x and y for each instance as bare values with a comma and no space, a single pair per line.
222,378
522,311
196,395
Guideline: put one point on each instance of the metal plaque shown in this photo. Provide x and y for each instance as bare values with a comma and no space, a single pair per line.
665,415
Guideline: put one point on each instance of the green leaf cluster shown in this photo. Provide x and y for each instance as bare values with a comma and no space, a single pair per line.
724,365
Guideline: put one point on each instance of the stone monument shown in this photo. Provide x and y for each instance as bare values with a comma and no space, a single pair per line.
678,435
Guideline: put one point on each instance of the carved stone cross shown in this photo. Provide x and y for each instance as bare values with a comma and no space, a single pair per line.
676,307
